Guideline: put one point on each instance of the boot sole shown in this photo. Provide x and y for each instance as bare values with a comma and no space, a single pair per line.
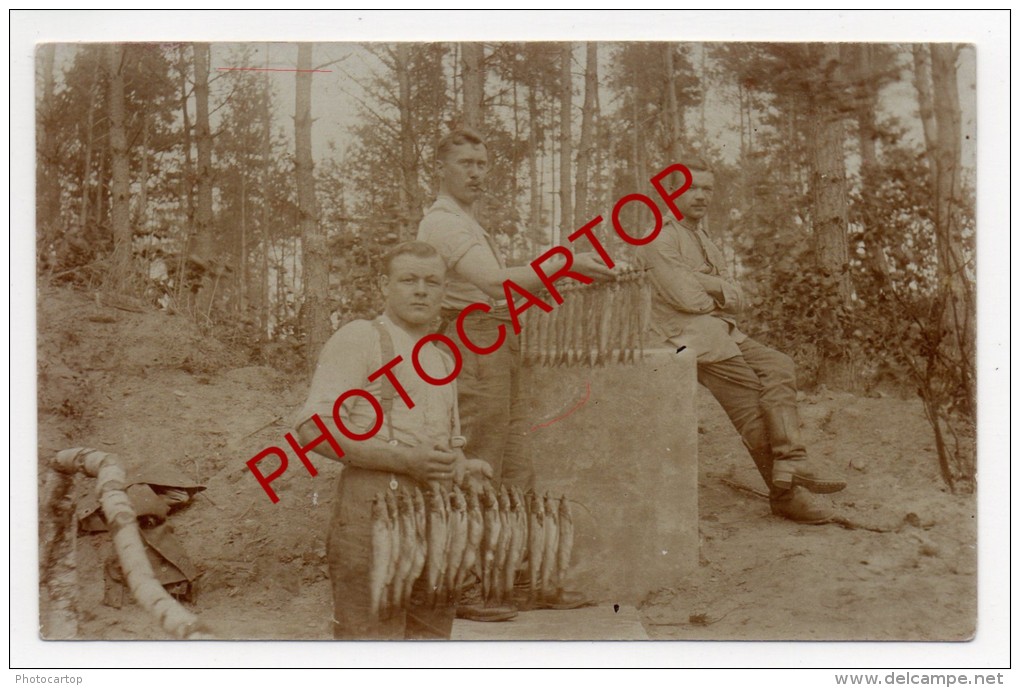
787,481
804,521
485,614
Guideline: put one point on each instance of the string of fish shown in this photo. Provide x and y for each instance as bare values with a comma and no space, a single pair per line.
448,535
596,325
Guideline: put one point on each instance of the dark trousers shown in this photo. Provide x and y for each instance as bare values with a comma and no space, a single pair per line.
758,392
492,409
349,553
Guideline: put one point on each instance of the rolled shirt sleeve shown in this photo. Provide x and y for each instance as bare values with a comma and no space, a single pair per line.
449,235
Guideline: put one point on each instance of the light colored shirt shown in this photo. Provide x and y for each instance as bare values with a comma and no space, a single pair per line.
694,300
352,354
454,232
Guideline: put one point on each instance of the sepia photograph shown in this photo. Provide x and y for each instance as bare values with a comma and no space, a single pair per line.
507,340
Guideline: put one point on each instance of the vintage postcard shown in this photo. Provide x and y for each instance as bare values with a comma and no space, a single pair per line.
501,340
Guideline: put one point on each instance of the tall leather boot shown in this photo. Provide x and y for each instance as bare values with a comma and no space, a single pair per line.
794,503
793,468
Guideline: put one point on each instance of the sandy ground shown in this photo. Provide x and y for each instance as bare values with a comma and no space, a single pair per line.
147,386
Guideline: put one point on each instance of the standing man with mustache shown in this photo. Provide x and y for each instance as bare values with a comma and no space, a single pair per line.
491,408
695,304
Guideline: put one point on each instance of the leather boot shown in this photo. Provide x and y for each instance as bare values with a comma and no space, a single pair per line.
800,506
794,504
793,468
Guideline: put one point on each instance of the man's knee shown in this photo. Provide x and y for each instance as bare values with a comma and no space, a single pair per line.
776,367
785,365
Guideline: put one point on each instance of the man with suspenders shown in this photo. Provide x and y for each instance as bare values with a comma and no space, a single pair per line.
416,445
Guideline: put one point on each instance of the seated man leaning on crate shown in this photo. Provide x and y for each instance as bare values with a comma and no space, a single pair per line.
414,448
695,304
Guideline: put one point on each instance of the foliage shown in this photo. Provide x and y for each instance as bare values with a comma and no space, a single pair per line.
909,324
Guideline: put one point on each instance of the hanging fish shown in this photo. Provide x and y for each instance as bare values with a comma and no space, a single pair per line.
536,543
418,501
566,522
502,545
552,542
436,532
380,554
606,324
579,354
518,541
405,560
457,507
570,315
619,322
545,344
646,308
490,535
528,338
389,596
592,313
564,342
629,327
472,550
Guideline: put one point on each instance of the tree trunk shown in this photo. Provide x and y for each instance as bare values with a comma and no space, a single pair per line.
203,248
947,158
514,159
142,207
47,182
947,384
959,319
830,195
188,174
830,201
703,132
86,175
409,203
566,101
586,146
472,55
314,252
830,221
535,210
926,110
187,191
120,199
672,107
99,207
866,91
267,123
242,291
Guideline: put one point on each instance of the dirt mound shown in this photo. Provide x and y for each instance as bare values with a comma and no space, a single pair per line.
149,387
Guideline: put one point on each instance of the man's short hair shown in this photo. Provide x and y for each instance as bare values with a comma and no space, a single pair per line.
697,162
419,249
456,138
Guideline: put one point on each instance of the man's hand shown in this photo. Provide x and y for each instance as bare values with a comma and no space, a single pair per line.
472,473
727,296
426,465
590,264
465,469
713,286
479,469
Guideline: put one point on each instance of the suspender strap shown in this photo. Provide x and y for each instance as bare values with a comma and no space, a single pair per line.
388,391
386,353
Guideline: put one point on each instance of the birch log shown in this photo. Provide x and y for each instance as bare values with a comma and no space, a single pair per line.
127,541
